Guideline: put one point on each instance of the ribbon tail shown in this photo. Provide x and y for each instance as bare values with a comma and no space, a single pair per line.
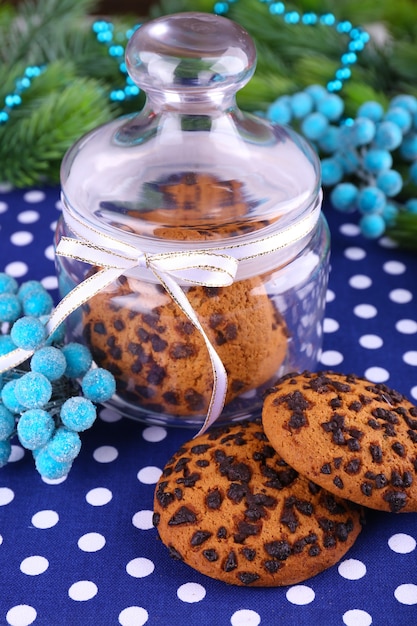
219,390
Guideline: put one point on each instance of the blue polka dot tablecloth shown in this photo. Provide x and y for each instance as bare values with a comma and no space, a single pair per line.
83,551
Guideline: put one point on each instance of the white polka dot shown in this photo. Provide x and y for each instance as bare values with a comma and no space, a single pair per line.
58,205
386,242
54,481
143,520
350,230
21,615
410,357
6,495
154,434
45,519
355,254
300,595
413,392
371,342
245,617
394,267
402,543
330,295
406,594
330,325
16,454
359,281
3,207
140,567
357,617
34,196
53,226
28,217
377,374
21,238
365,311
191,592
16,269
400,296
82,590
407,327
1,540
105,454
149,475
99,496
109,416
50,253
133,616
5,187
352,569
50,282
91,542
331,357
34,565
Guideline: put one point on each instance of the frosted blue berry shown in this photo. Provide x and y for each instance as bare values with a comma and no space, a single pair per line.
372,226
7,423
78,413
6,344
58,335
331,106
317,92
5,452
279,112
330,140
314,125
8,284
78,358
349,160
408,148
371,200
413,172
302,104
33,390
411,205
331,172
388,136
401,117
37,303
10,307
28,287
406,102
377,161
344,197
28,333
35,428
98,385
50,468
64,446
9,399
363,130
50,362
390,213
371,109
390,182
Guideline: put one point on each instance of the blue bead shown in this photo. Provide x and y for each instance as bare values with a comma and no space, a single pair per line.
49,468
64,446
390,213
23,83
123,68
400,116
117,95
344,27
344,197
334,85
376,161
35,428
356,46
301,104
12,100
343,73
406,102
408,148
7,423
33,390
328,19
78,413
221,8
132,90
363,130
331,172
4,117
331,106
116,50
10,307
329,141
390,182
372,226
50,362
292,17
314,125
349,58
98,385
349,160
388,136
104,36
371,200
279,112
277,8
310,18
411,206
317,92
28,333
413,172
78,358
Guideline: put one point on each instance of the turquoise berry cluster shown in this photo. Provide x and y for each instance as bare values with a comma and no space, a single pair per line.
41,402
369,161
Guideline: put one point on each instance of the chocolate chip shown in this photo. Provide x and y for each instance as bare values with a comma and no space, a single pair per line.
338,482
184,515
280,550
221,533
337,462
195,401
119,325
236,492
158,344
353,466
237,471
248,553
156,518
342,531
171,398
398,448
211,555
214,499
230,562
335,403
272,566
355,406
396,500
164,497
199,537
366,489
190,480
329,541
247,577
314,551
326,468
376,453
381,481
200,448
156,374
178,493
202,463
297,420
182,351
215,320
100,328
175,554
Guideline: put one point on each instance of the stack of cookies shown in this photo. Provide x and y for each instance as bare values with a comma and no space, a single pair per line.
275,501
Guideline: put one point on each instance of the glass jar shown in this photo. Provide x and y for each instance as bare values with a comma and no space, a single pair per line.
191,237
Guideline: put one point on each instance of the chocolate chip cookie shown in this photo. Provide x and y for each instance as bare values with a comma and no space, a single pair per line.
355,438
230,507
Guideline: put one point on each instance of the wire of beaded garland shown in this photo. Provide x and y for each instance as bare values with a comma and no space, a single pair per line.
41,402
